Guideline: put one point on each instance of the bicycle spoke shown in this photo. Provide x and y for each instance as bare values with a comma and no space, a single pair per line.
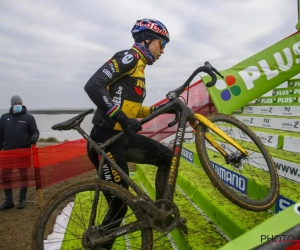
66,222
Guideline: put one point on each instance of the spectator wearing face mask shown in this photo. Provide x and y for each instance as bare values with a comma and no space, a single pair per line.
17,130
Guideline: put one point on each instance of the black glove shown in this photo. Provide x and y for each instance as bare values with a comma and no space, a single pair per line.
154,108
32,141
129,125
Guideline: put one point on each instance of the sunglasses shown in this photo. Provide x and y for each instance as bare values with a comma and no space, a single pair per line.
163,43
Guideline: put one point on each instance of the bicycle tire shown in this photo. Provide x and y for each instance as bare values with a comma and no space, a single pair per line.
256,198
83,192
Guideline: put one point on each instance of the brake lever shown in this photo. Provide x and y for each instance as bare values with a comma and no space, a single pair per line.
171,124
217,72
213,69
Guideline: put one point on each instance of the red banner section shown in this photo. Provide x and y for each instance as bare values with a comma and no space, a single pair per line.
198,100
16,168
42,167
63,161
295,246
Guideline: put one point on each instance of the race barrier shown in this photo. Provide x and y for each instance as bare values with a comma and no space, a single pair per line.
273,123
291,144
272,110
43,166
256,75
286,169
271,140
279,100
52,164
294,82
286,91
285,142
198,100
281,230
241,183
282,96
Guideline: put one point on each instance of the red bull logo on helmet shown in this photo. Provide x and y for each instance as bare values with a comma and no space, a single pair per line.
153,26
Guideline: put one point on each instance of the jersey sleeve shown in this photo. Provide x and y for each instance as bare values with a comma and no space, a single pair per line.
122,63
144,111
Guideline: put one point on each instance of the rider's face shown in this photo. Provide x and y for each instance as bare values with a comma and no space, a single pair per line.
156,48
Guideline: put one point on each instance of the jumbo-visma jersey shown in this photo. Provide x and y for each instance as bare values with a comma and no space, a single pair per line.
119,81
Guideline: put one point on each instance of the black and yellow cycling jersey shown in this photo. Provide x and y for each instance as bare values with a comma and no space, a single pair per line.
119,82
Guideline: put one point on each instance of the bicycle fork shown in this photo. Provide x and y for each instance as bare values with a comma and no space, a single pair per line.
219,132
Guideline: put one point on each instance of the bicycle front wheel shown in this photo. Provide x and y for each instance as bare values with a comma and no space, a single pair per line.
250,182
64,220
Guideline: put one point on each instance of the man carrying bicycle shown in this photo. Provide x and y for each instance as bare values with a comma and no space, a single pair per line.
118,89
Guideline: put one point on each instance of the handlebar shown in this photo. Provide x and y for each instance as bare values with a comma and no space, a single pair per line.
207,69
213,69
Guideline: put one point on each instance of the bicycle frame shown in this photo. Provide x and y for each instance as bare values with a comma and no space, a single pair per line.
183,115
186,115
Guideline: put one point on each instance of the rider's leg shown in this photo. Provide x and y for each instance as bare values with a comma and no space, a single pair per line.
117,209
145,150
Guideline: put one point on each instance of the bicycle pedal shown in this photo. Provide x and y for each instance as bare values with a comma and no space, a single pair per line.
182,226
182,220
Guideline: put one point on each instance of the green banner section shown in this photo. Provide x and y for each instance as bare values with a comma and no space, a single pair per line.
255,76
286,91
288,189
294,82
269,230
293,100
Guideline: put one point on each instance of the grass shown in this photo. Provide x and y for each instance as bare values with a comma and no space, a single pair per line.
50,139
201,233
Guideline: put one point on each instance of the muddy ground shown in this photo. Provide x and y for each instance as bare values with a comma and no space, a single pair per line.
16,225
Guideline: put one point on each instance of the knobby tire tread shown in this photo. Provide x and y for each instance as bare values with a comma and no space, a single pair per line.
248,204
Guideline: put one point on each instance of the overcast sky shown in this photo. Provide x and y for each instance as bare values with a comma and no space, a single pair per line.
49,49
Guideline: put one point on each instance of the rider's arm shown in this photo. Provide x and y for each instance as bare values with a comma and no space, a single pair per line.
144,111
122,63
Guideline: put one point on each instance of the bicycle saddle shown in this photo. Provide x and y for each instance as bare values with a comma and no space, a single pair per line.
71,123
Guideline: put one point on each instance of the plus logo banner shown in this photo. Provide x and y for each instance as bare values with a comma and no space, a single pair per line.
228,88
257,75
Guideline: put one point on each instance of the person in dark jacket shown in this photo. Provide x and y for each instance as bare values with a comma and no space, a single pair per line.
17,130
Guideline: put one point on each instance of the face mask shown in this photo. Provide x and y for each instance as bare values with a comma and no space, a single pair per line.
17,108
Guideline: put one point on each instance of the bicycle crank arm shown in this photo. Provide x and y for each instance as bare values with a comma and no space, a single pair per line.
98,238
152,209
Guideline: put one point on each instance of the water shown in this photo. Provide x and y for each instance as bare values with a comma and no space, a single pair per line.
45,122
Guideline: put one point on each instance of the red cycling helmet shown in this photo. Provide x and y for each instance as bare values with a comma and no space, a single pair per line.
152,26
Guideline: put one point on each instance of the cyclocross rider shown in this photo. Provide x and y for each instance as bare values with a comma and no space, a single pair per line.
118,89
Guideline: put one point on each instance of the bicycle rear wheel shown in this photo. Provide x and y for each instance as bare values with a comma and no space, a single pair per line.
250,182
63,221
